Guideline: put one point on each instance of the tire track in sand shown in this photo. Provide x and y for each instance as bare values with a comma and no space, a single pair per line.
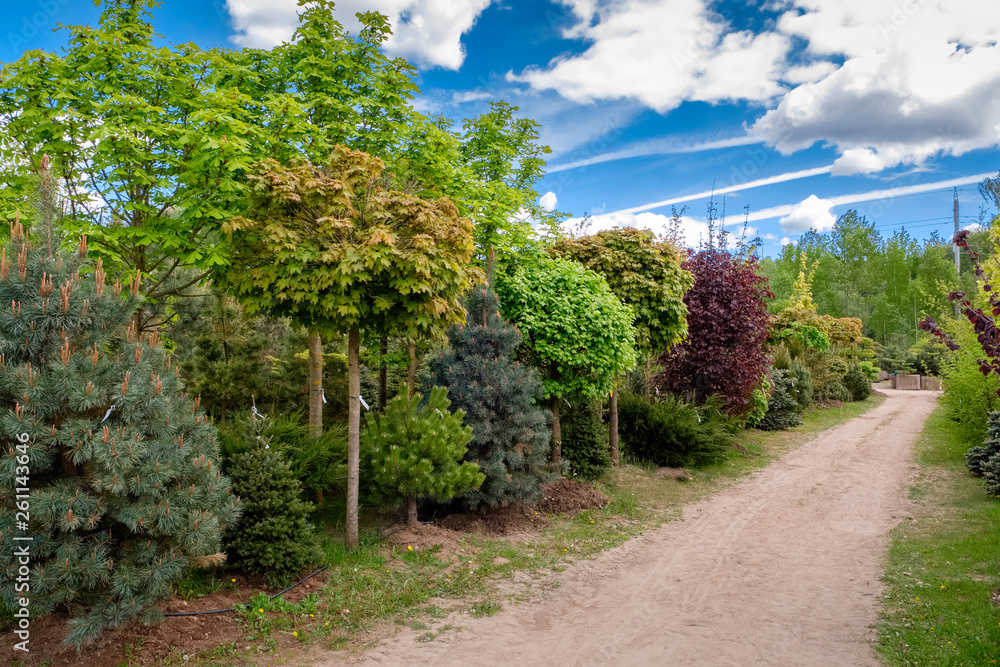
781,569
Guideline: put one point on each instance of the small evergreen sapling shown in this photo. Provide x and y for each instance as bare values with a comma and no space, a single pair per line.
510,434
415,451
782,409
125,490
585,439
275,537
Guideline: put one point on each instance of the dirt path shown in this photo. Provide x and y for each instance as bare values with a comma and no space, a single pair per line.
782,569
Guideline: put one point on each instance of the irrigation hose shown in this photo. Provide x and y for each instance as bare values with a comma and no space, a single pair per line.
282,592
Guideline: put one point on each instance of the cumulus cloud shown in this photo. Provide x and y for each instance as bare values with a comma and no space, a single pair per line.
811,213
632,57
548,201
428,32
918,79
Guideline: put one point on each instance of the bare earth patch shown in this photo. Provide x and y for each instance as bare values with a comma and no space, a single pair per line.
781,569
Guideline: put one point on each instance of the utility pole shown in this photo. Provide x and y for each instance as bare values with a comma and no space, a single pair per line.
956,232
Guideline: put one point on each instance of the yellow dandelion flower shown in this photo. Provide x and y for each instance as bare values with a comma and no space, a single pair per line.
295,634
311,616
942,586
233,580
409,548
261,610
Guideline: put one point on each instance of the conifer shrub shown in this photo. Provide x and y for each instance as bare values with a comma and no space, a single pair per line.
758,404
121,466
802,385
671,431
857,383
836,391
415,450
782,410
511,438
585,439
275,538
976,457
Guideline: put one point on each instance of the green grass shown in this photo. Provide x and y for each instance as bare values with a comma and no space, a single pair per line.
942,572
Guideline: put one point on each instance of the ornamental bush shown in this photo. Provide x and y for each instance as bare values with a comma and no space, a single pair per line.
671,431
120,465
802,385
857,383
510,433
726,349
415,451
782,409
976,458
585,439
275,537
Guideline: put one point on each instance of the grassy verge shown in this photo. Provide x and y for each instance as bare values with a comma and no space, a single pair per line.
381,585
942,572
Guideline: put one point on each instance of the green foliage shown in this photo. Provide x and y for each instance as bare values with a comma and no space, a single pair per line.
969,396
782,357
275,538
416,450
802,385
673,432
758,404
857,383
318,463
511,435
977,457
805,335
836,391
782,408
870,370
332,248
645,274
928,355
576,331
123,466
585,439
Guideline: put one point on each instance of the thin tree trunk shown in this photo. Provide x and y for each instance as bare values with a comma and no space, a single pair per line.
556,433
613,435
353,435
411,375
383,349
315,384
411,510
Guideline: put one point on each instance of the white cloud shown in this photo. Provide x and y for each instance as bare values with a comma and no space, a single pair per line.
548,201
784,240
428,32
810,213
661,54
919,78
770,180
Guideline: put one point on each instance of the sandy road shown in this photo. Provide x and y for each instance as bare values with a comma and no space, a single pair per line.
782,569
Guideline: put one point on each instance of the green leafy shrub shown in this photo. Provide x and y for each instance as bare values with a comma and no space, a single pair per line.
275,538
857,383
673,432
415,451
782,410
758,404
124,476
802,385
585,440
836,391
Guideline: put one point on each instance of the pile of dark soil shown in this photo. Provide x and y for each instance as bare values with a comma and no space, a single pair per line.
569,496
505,521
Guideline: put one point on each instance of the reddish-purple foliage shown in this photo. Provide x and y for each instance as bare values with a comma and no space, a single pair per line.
726,350
983,324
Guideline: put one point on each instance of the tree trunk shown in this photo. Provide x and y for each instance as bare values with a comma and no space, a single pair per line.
556,434
411,375
613,428
411,511
353,435
383,349
315,384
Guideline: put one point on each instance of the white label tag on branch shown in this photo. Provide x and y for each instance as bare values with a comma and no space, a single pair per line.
256,414
360,398
322,393
108,414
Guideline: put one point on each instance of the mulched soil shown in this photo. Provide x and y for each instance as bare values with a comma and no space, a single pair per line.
570,496
505,522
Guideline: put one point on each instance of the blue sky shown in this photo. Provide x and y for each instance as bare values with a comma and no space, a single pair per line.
797,110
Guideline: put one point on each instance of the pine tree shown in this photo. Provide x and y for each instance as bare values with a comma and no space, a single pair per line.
275,537
781,407
124,490
585,439
415,451
511,436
